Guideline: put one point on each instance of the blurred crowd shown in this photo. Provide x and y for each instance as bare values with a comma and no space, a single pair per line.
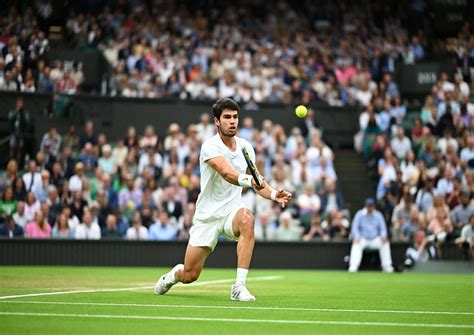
145,185
23,68
424,164
334,53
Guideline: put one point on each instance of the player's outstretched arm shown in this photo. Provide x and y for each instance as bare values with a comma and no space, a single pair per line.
281,196
222,166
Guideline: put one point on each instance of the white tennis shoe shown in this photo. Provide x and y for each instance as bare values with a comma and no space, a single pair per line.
241,293
167,280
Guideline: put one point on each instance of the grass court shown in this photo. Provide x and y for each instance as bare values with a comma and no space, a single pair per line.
96,300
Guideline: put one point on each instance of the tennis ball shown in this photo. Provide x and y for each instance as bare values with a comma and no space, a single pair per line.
301,111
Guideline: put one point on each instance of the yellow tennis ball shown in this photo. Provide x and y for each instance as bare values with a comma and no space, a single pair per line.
301,111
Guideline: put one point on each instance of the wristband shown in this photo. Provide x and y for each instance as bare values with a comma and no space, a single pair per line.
245,180
273,195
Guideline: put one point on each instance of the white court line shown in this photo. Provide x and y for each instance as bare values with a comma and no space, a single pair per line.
219,281
300,309
311,322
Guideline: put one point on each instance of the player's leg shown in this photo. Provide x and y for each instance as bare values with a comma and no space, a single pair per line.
202,240
356,254
243,229
193,263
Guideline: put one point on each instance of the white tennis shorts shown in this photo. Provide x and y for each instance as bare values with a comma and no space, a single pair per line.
206,233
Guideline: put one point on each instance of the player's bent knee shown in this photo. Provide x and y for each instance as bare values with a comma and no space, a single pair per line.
190,276
247,224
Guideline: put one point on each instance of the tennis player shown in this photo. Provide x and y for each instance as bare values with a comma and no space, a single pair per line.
218,208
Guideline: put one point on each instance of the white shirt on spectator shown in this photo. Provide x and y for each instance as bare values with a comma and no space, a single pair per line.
444,186
84,232
408,169
400,146
75,183
137,234
73,222
36,185
364,97
443,143
466,154
30,210
145,161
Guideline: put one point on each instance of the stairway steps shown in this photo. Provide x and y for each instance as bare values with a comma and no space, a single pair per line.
354,180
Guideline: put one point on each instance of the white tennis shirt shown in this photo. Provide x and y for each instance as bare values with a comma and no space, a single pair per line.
218,195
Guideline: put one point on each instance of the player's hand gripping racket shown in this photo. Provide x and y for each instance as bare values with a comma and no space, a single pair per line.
252,168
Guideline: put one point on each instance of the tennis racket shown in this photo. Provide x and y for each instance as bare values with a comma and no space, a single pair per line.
252,168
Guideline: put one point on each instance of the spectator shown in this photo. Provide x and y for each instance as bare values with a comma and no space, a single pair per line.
20,215
32,206
149,139
264,227
398,111
131,139
87,230
402,216
331,199
71,140
41,193
119,153
417,49
446,141
110,194
89,135
439,226
172,205
8,203
110,230
205,128
324,171
421,251
369,231
52,141
425,195
466,238
10,229
61,228
78,205
162,230
11,173
107,162
39,228
287,229
20,123
446,184
467,154
308,204
151,161
32,178
72,220
137,231
130,197
76,181
316,231
67,162
461,213
88,158
411,226
336,225
400,144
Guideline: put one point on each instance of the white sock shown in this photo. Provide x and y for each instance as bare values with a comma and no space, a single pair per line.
172,274
241,276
